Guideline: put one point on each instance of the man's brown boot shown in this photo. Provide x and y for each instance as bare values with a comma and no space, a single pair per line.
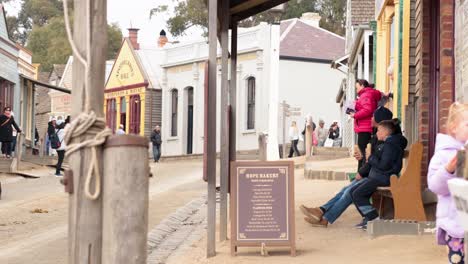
321,223
314,213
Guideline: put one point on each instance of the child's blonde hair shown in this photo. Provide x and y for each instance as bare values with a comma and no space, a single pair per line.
455,115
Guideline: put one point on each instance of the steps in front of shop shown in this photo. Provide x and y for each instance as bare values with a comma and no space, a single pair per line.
330,152
5,165
333,164
241,155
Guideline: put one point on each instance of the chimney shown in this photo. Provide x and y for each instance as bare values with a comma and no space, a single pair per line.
133,36
162,39
312,19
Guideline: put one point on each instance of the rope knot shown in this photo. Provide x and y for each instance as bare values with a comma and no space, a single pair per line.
88,124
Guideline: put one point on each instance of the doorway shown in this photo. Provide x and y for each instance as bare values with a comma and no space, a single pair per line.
135,114
189,120
123,113
111,114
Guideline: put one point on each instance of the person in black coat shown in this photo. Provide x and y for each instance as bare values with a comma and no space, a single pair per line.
6,131
157,141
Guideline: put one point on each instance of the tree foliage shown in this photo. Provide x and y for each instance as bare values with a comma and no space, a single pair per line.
193,13
40,26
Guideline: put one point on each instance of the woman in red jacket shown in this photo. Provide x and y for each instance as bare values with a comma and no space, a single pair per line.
365,106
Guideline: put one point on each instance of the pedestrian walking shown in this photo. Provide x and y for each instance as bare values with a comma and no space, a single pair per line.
294,137
60,131
6,131
156,140
364,110
121,130
50,132
442,168
322,133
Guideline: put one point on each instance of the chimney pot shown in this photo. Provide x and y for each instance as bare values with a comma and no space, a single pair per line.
133,36
162,41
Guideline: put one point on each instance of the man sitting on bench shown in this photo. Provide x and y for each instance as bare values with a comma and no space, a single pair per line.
332,210
386,161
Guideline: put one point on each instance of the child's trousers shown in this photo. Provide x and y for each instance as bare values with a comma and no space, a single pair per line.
361,196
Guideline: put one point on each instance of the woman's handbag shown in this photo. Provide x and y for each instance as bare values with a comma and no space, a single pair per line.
328,143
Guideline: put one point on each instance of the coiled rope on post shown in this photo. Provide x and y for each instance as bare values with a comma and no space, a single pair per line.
87,123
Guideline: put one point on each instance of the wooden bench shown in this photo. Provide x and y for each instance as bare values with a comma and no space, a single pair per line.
406,190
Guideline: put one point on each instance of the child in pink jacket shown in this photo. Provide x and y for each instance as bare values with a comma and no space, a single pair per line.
441,169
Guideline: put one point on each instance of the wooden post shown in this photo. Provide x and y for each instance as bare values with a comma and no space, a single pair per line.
262,147
308,136
224,155
211,128
283,106
125,200
233,93
85,215
15,164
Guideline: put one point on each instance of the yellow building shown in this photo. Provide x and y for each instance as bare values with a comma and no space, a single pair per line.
393,52
132,93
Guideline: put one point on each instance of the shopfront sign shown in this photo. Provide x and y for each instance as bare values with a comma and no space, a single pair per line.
262,205
125,92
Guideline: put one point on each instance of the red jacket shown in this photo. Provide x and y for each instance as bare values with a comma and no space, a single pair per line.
365,107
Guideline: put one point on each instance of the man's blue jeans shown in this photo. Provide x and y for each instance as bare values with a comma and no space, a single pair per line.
156,152
338,204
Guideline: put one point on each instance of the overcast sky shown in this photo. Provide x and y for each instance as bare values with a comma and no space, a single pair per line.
133,13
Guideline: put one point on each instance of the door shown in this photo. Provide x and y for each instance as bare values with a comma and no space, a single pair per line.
111,114
123,113
135,114
190,121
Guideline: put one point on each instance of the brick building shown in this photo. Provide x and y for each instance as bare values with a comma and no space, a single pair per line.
413,56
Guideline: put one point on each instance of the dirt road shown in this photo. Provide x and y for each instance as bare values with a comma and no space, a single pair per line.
337,244
33,212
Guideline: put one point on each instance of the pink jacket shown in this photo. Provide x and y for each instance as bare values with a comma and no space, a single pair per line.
446,149
365,107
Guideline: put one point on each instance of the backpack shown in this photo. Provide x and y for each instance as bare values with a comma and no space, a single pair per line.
55,142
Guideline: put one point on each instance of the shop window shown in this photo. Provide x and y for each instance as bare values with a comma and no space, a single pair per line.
251,103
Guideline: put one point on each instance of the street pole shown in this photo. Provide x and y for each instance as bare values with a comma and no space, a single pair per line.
211,127
85,215
272,145
284,128
224,155
125,200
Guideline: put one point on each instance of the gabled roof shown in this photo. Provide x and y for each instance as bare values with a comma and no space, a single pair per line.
362,11
300,40
3,24
150,59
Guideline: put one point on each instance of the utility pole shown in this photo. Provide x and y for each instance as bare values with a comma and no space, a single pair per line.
85,215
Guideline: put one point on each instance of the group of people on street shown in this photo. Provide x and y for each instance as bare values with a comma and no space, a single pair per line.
56,130
374,125
320,135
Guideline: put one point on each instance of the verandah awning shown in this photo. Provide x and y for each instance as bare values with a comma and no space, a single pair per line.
43,84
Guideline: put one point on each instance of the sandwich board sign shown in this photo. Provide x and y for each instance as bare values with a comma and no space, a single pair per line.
262,205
